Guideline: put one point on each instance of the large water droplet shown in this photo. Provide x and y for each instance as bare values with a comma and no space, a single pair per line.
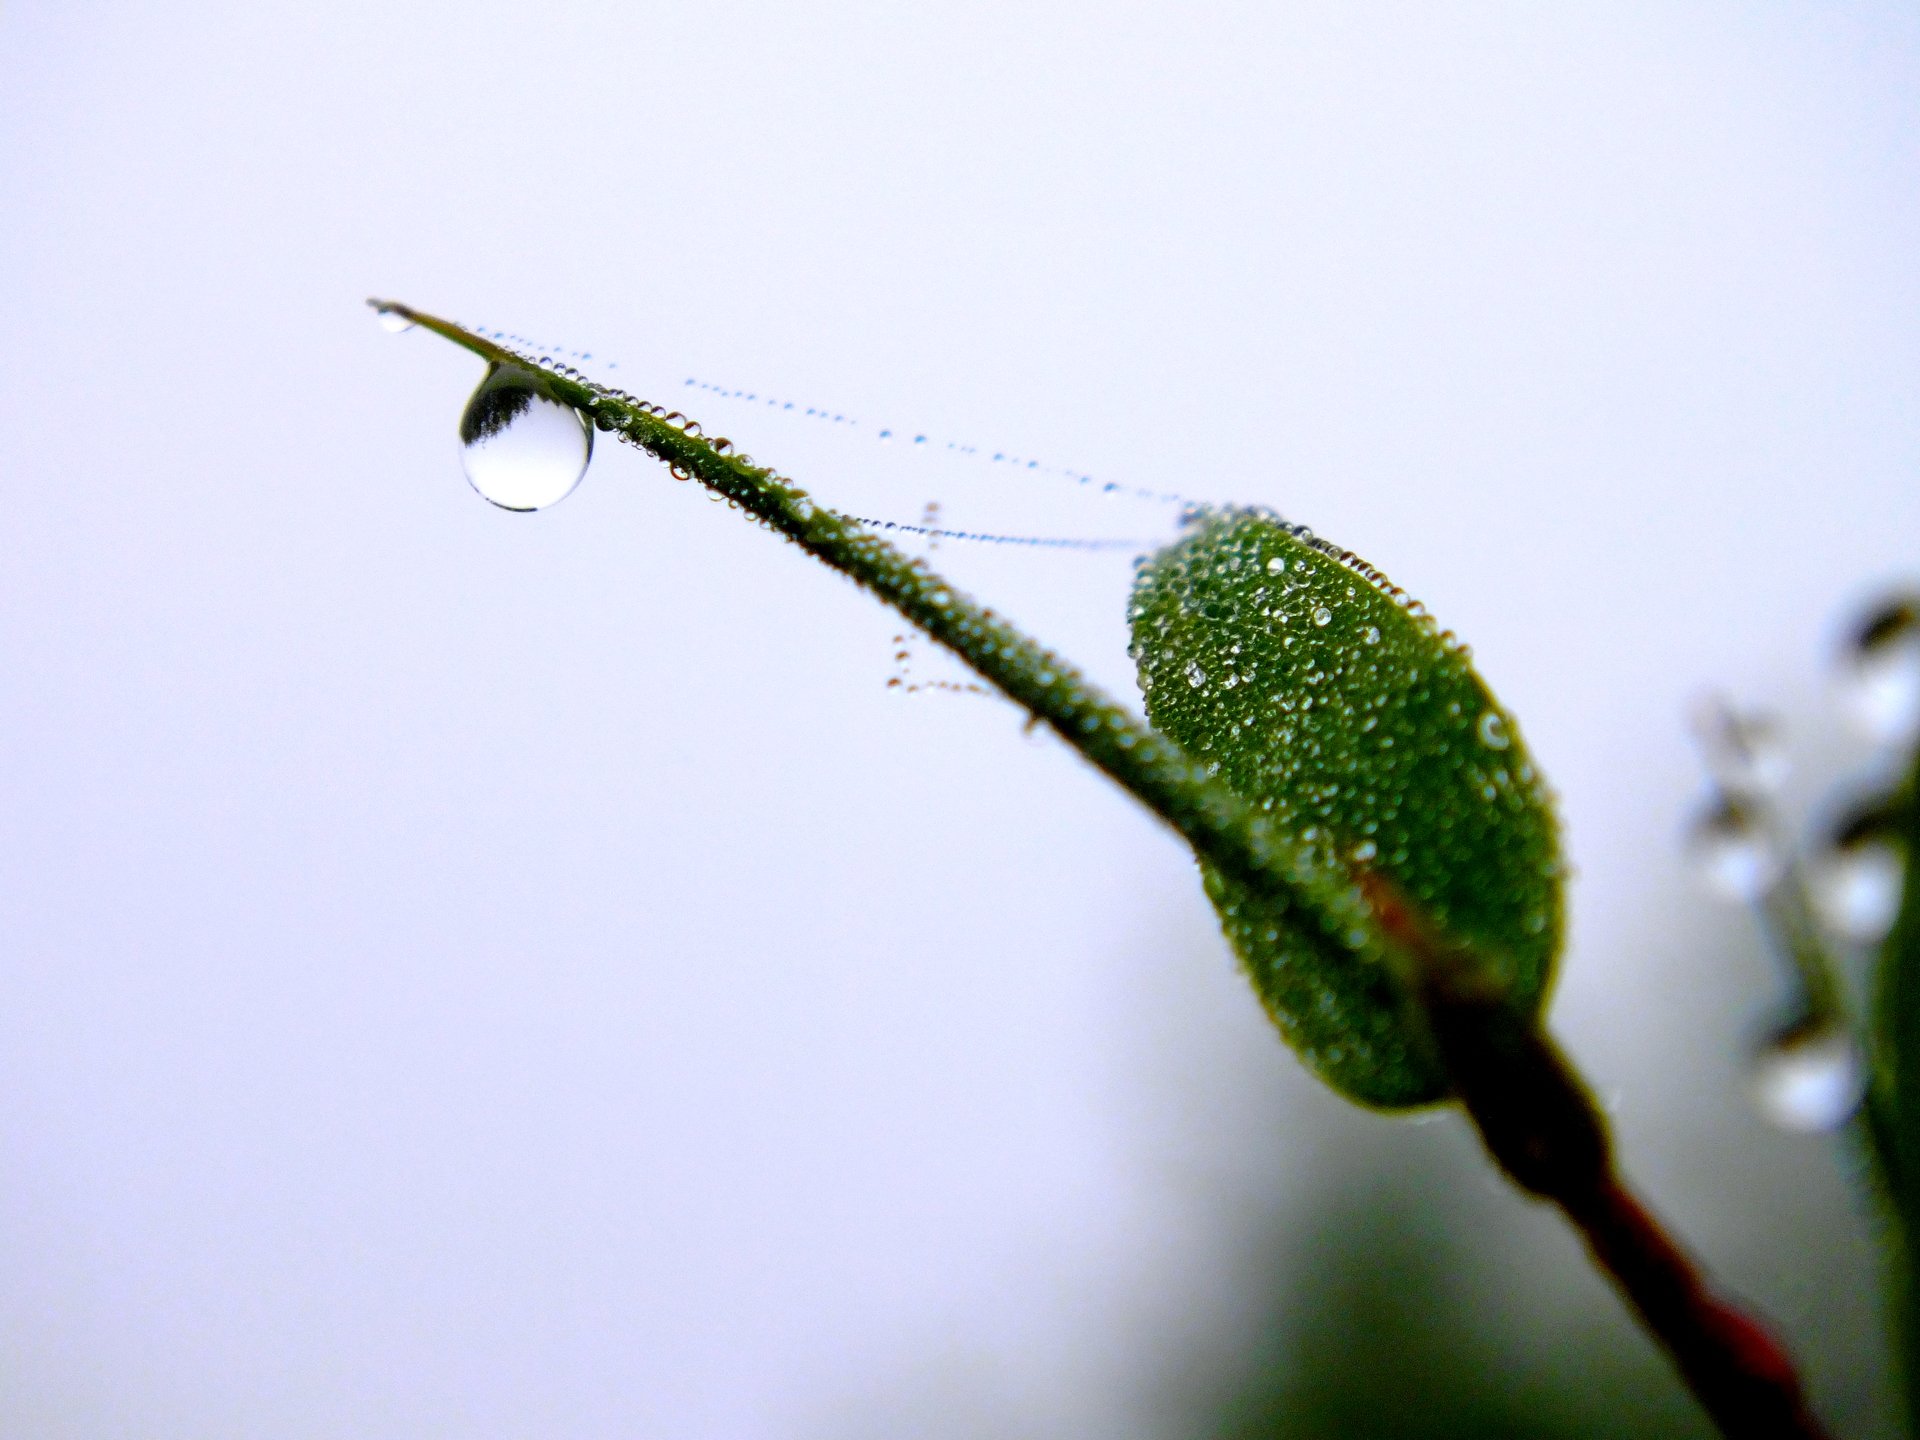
1808,1076
521,448
390,317
1857,885
1858,891
1734,852
1882,672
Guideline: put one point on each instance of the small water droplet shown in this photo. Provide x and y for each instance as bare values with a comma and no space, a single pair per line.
1276,565
1746,751
521,448
392,321
1808,1076
1322,615
1882,673
1371,634
1196,677
1733,852
1365,851
1493,730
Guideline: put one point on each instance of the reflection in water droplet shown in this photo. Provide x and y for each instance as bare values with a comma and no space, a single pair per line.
393,322
1808,1077
521,448
1857,890
1733,852
1882,673
1196,677
1493,730
1322,615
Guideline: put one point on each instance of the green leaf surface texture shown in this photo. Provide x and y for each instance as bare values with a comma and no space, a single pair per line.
1325,698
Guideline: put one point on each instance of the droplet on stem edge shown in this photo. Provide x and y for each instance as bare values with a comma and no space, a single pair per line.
1734,852
1808,1076
1746,751
1859,882
1858,891
391,320
521,448
1880,672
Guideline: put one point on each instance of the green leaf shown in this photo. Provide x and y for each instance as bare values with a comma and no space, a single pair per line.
1325,699
1894,1100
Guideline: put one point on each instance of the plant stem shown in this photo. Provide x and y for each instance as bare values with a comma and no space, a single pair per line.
1787,915
1157,772
1531,1110
1540,1124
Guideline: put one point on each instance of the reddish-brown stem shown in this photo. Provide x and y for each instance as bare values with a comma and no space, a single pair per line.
1740,1371
1542,1127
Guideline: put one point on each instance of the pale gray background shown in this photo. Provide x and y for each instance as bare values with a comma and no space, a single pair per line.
475,975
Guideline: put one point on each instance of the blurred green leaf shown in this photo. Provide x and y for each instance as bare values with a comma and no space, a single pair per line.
1322,696
1894,1100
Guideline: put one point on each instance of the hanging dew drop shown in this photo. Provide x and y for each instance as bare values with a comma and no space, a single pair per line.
1808,1077
1857,888
1881,674
521,448
1746,751
1733,852
394,319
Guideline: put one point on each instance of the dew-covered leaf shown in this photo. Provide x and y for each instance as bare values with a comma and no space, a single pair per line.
1323,697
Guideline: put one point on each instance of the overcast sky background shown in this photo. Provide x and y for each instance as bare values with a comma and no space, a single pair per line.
484,975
